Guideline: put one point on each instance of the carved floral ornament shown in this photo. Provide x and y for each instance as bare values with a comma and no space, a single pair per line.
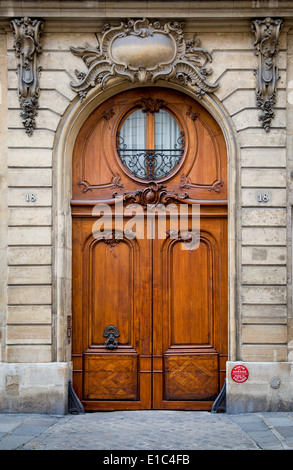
141,51
153,195
266,47
27,47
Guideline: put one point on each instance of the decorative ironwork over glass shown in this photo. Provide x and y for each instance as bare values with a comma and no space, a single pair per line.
150,153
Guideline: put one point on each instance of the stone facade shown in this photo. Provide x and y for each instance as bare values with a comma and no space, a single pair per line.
35,234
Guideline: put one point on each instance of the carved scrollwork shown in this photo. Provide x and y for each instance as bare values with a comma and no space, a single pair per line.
191,114
141,51
185,182
153,195
266,47
192,238
115,183
110,238
27,47
149,105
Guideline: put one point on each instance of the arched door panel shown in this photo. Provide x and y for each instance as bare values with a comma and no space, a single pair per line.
98,170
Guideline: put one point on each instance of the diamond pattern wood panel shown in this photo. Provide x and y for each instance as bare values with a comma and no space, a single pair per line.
191,377
110,377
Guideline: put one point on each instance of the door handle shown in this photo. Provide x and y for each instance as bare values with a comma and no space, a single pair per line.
111,332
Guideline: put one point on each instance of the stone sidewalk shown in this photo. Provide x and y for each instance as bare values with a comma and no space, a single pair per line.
147,431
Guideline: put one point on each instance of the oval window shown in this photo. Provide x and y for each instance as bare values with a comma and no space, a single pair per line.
150,145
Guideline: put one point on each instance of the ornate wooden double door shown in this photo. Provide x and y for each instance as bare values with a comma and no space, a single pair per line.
149,276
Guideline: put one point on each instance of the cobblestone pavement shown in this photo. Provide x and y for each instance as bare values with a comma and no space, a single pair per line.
147,430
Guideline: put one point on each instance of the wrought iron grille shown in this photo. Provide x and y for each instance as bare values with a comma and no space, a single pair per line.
150,164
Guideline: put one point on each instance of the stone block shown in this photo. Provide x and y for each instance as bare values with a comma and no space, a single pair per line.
29,236
234,80
12,80
264,236
264,334
243,60
264,255
28,334
12,60
29,314
264,353
29,255
260,216
21,197
263,157
29,295
12,384
54,101
270,314
46,120
33,354
43,387
30,216
264,275
57,80
264,295
24,157
30,177
261,138
61,41
249,118
230,41
262,178
257,394
40,138
263,197
61,60
12,99
239,100
29,275
37,216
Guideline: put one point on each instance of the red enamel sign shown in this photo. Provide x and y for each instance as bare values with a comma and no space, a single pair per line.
239,374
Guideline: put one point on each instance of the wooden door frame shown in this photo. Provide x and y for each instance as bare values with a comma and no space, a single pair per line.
66,134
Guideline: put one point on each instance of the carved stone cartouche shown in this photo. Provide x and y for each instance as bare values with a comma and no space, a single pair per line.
141,51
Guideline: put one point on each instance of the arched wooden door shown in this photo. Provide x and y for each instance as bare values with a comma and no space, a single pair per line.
149,311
